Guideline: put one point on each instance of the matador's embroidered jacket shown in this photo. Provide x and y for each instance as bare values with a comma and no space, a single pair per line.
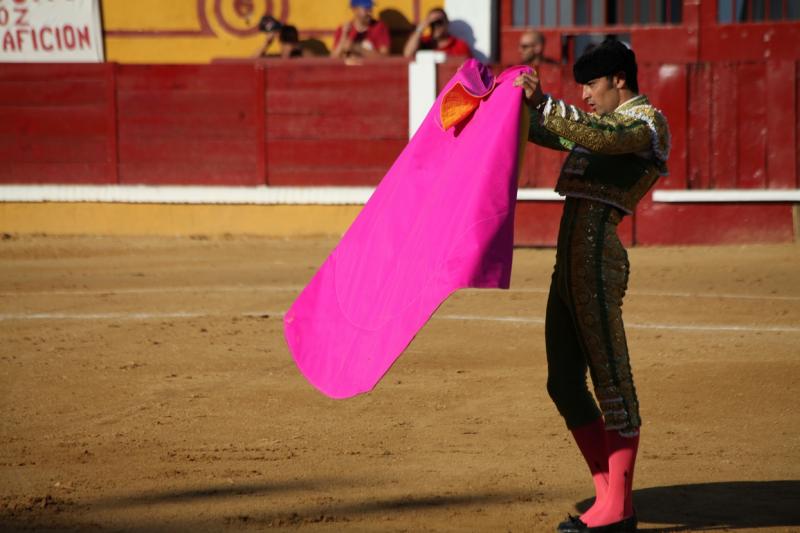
614,158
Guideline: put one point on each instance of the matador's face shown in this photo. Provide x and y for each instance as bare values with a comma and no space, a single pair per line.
603,94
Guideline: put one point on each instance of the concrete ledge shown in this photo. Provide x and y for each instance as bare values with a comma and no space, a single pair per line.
728,195
191,194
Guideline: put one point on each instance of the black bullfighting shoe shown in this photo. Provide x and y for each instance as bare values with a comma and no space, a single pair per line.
574,524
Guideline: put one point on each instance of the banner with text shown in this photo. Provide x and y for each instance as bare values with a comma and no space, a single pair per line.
50,31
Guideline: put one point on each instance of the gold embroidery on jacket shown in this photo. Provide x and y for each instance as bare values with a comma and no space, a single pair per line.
636,132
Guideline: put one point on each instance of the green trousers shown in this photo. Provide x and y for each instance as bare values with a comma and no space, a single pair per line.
583,327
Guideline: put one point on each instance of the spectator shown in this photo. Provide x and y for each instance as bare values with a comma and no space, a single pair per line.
439,37
272,27
363,36
531,50
290,43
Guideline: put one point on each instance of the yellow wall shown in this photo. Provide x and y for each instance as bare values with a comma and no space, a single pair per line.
65,218
198,31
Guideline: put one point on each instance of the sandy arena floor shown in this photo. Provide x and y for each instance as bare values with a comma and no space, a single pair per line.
145,385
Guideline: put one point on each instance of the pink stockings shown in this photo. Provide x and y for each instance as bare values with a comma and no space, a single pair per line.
611,458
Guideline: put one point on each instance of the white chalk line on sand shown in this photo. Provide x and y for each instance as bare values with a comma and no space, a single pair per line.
638,325
751,328
686,294
298,288
153,290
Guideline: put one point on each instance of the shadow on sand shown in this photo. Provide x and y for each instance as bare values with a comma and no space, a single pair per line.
707,506
731,504
263,514
368,506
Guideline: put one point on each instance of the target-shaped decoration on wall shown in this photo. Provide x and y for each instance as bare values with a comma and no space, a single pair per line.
241,17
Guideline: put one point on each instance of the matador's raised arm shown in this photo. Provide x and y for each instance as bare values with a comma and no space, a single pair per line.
634,127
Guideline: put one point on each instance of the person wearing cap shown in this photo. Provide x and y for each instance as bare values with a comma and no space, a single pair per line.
438,37
363,36
272,27
616,154
291,46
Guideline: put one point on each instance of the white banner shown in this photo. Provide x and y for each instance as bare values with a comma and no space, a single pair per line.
51,31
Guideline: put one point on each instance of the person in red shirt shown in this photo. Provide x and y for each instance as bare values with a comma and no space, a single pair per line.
438,39
363,36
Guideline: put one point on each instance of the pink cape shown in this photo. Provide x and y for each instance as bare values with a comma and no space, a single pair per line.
441,219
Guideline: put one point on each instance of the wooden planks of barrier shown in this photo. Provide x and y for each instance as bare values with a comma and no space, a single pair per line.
331,123
55,123
321,122
188,124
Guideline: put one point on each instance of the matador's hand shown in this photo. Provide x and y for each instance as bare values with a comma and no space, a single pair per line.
532,87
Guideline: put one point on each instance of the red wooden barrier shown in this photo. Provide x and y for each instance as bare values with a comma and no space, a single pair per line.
315,122
536,224
732,223
321,123
57,123
185,124
328,123
782,128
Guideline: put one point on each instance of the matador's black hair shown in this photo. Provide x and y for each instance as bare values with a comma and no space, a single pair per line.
607,59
